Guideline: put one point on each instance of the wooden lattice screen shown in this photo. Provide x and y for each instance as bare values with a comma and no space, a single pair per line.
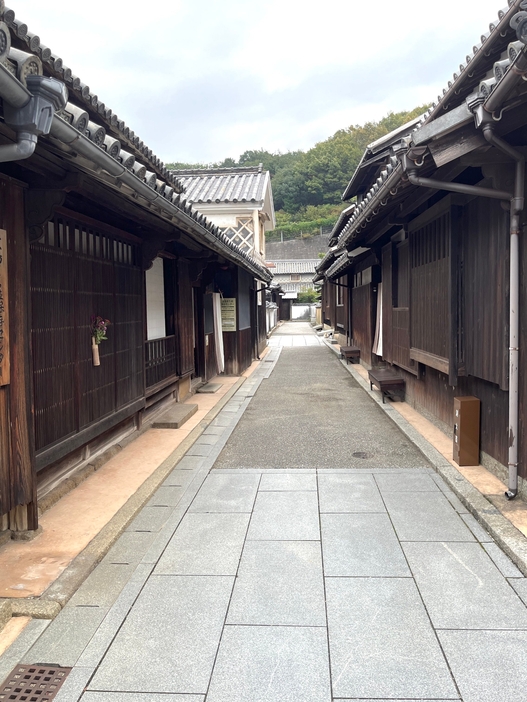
78,271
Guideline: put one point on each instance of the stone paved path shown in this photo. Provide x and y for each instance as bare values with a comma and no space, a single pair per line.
245,580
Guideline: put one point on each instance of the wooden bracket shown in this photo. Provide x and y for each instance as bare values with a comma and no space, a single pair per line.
40,206
151,249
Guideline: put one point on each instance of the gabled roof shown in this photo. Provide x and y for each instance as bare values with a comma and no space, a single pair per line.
224,185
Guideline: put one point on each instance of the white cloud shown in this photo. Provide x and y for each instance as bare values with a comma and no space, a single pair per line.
203,80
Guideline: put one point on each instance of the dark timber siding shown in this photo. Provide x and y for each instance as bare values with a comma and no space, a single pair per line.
363,310
185,320
485,285
77,272
17,485
430,312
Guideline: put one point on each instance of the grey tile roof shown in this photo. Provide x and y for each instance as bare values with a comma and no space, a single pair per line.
304,266
224,185
340,264
90,116
483,70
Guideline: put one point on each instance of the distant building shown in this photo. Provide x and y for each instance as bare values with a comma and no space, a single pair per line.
293,263
238,200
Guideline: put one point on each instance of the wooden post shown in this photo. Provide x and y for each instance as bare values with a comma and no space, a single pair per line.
4,312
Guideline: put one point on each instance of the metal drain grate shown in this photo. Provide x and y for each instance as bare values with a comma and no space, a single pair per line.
31,683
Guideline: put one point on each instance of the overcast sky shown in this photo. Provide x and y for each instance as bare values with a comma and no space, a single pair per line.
200,80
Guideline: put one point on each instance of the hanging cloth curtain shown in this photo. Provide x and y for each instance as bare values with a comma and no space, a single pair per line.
218,333
377,342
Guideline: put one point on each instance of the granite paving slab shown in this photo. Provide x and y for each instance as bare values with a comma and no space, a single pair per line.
150,518
361,545
226,493
64,641
279,583
502,562
74,685
138,697
189,462
205,544
489,666
349,493
475,527
179,477
288,481
130,547
102,587
169,640
271,664
166,496
285,516
520,586
381,642
425,516
406,482
462,588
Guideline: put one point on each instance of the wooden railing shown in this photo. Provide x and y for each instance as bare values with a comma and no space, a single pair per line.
160,360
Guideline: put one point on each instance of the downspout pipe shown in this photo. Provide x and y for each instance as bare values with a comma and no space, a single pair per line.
517,206
457,187
30,112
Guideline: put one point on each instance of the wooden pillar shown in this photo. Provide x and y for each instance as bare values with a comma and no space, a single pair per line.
17,472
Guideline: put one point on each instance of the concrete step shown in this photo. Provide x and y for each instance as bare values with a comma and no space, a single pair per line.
175,417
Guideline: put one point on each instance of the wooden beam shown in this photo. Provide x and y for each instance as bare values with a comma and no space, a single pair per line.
430,359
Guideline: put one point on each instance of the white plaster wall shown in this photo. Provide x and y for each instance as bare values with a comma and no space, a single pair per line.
155,301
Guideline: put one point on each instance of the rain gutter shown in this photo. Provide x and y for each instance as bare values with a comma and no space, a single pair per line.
17,97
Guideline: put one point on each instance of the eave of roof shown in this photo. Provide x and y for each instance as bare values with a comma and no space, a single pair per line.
384,190
165,188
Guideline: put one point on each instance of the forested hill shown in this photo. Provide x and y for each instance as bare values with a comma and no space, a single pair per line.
307,185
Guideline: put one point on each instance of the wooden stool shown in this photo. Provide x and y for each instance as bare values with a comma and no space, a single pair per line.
350,353
388,381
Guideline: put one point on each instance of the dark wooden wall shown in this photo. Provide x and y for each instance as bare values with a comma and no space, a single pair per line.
363,319
78,271
185,320
430,275
342,311
17,477
485,286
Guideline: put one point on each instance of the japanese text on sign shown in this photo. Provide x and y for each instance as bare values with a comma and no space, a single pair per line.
228,314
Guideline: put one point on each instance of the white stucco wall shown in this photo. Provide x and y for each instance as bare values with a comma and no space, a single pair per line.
155,301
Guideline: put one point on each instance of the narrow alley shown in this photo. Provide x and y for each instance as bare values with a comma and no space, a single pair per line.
303,550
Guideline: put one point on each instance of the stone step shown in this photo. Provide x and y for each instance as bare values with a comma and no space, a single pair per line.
175,417
209,387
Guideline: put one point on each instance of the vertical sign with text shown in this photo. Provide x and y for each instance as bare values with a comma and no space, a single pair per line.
228,314
4,312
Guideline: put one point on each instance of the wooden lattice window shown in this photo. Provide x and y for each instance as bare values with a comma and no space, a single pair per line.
242,234
79,270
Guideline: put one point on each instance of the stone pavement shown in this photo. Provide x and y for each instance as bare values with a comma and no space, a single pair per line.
263,573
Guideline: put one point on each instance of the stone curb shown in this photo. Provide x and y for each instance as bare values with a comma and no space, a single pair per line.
50,603
508,538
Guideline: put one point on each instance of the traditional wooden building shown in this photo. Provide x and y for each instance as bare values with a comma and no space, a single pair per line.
240,202
427,273
94,225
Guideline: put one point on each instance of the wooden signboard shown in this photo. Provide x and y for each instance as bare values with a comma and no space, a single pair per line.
228,314
4,312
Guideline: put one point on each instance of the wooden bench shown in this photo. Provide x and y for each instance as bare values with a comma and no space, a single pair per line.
350,353
388,381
